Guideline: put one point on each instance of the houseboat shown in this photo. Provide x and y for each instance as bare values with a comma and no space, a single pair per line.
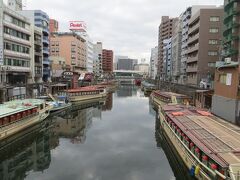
110,86
159,98
208,148
86,93
18,115
147,88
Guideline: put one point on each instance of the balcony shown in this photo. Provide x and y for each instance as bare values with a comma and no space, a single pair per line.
192,59
231,52
191,69
45,40
193,29
192,39
46,61
18,40
16,54
228,4
46,50
192,49
13,26
231,38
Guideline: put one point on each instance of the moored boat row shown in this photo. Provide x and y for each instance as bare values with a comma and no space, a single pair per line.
208,147
20,114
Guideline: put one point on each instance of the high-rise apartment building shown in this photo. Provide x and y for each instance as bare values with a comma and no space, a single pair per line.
97,59
176,51
153,62
167,59
165,32
72,48
41,20
53,25
90,54
204,39
107,61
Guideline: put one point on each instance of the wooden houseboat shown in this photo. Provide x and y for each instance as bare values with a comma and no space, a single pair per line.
18,115
208,147
147,88
86,93
159,98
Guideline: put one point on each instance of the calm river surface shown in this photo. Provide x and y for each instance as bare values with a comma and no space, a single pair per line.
118,140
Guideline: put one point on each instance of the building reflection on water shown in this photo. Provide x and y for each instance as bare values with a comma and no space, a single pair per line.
108,103
75,123
126,91
30,150
26,152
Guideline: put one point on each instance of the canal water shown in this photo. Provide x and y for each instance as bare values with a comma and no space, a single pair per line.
119,139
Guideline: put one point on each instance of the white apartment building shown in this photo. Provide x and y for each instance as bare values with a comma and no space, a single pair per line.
153,63
97,60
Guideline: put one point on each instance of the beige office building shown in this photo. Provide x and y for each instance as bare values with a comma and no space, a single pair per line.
72,48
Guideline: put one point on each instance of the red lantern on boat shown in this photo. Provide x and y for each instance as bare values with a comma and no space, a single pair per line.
191,145
12,118
214,166
205,158
197,150
23,114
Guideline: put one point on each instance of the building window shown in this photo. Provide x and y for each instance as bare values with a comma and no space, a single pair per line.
212,53
212,41
222,78
213,30
214,19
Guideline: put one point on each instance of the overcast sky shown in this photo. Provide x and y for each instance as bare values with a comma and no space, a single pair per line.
129,27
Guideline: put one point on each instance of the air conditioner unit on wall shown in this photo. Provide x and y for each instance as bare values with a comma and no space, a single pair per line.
227,60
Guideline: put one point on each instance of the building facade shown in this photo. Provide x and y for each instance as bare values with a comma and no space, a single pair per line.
167,59
126,64
97,59
72,48
53,25
15,53
204,39
107,61
176,51
41,20
90,54
226,86
153,63
165,32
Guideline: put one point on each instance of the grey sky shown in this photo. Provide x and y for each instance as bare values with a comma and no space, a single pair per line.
129,27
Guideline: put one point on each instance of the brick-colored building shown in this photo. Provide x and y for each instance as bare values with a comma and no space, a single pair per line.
72,48
53,25
107,61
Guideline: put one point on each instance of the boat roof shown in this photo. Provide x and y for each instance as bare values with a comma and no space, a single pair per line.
217,138
17,106
84,89
170,94
147,84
